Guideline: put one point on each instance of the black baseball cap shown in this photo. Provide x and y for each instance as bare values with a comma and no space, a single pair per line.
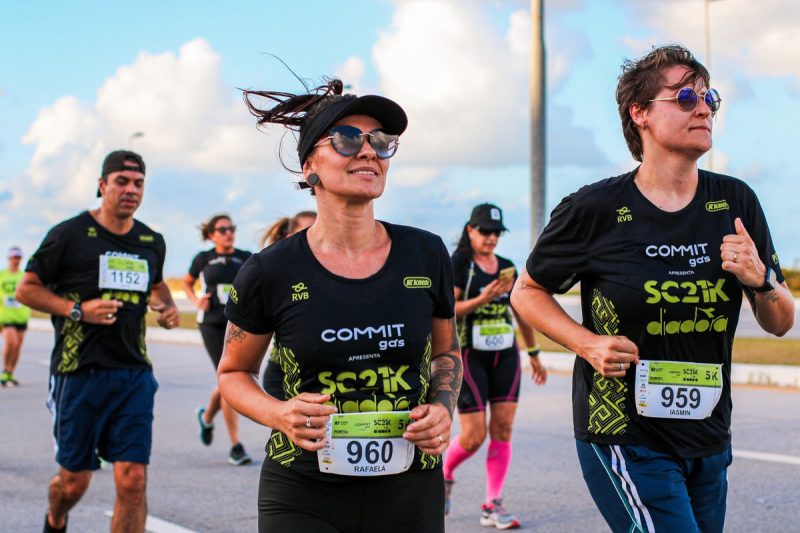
488,217
391,116
120,160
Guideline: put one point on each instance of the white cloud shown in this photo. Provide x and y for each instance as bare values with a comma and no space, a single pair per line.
191,120
463,83
758,39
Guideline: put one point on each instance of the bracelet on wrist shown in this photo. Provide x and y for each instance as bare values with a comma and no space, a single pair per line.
533,351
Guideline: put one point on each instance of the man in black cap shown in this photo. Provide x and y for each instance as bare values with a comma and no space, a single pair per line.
95,274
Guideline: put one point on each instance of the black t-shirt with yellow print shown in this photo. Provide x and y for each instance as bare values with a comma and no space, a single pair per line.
471,279
80,260
367,342
656,278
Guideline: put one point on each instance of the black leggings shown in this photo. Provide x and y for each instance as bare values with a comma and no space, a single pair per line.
289,501
214,339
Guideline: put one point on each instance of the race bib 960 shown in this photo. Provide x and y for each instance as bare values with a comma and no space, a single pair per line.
366,444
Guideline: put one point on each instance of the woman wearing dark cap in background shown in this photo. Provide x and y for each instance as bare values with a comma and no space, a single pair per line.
663,254
490,355
216,268
272,377
363,323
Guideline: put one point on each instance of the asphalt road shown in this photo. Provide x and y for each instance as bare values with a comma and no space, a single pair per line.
192,486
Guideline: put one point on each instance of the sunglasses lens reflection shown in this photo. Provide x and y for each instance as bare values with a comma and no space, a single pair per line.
687,99
348,140
712,100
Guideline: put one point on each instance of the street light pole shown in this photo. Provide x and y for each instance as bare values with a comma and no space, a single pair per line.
538,107
707,32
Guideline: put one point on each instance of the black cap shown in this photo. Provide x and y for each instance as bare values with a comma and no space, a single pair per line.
120,160
488,217
391,116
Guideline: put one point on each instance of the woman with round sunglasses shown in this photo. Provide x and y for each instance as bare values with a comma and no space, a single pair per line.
663,255
490,355
216,268
364,327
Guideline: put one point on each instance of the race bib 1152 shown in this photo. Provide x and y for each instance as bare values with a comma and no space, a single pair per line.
123,273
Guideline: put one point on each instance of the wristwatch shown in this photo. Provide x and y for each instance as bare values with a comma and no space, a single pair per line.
770,281
75,314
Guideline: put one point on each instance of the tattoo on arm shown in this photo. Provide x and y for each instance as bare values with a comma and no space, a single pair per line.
234,333
446,373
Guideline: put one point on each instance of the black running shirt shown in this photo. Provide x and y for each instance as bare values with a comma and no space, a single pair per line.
471,279
68,263
656,278
216,273
367,342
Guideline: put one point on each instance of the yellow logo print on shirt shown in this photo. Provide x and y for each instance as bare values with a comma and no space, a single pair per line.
300,292
624,214
417,282
233,295
717,205
91,232
146,238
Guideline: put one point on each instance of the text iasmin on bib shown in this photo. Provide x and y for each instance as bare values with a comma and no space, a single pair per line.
366,444
123,273
679,390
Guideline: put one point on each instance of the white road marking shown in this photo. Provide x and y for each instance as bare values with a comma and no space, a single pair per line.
156,525
771,457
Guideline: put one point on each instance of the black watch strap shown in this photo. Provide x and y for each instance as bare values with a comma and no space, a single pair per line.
76,314
770,281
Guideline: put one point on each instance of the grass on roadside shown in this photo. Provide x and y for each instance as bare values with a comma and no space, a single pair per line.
773,351
745,350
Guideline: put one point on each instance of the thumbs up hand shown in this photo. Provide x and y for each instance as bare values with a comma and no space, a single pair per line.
740,257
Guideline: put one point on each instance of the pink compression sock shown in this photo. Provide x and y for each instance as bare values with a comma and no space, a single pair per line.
455,455
498,459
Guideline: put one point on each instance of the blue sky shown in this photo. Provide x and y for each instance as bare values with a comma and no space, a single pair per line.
77,78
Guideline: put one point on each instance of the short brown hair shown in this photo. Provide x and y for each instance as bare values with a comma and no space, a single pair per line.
641,79
207,228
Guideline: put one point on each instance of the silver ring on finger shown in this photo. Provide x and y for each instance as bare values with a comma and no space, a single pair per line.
441,439
622,367
109,316
308,421
735,256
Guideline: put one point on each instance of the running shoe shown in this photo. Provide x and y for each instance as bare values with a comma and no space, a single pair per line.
12,380
50,529
4,378
496,516
206,430
238,456
448,488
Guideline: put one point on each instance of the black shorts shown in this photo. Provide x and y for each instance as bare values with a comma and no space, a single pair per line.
18,327
214,339
289,501
488,377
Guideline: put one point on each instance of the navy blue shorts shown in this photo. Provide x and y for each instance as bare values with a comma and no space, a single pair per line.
638,489
104,413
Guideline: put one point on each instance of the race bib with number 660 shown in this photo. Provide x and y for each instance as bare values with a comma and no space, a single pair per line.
123,273
680,390
366,444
